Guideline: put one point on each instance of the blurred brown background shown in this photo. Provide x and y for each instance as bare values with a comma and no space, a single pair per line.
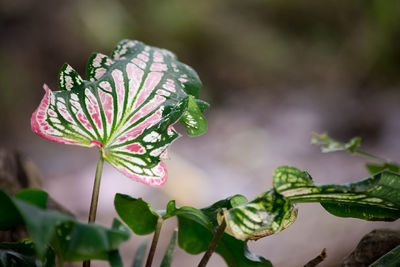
273,71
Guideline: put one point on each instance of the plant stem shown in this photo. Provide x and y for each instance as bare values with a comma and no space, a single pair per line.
213,245
96,189
154,242
370,156
95,196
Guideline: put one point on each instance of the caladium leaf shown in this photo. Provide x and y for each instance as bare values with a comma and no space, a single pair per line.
127,107
375,198
268,214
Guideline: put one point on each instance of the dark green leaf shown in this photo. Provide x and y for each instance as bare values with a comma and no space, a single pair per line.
328,144
41,224
77,242
136,213
34,196
115,259
71,239
390,259
169,254
50,258
375,168
237,254
196,228
193,237
9,215
140,254
375,198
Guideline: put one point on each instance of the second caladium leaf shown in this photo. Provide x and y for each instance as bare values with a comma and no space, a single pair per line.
127,107
268,214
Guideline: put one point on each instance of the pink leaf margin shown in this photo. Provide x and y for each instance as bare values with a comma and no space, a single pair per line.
39,124
158,181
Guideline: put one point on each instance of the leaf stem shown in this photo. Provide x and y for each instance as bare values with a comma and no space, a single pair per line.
154,242
213,244
96,189
371,156
95,196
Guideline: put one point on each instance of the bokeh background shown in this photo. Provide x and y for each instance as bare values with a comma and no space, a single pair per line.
273,71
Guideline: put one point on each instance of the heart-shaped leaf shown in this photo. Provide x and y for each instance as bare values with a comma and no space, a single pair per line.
136,213
375,198
127,107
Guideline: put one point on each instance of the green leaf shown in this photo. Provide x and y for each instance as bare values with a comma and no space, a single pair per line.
136,213
34,196
193,120
115,259
9,215
126,107
71,239
140,255
169,253
196,228
375,168
193,236
203,105
237,254
268,214
390,259
237,200
375,198
41,224
329,144
77,241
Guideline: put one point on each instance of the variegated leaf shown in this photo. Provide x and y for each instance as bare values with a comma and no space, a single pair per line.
127,107
374,198
268,214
